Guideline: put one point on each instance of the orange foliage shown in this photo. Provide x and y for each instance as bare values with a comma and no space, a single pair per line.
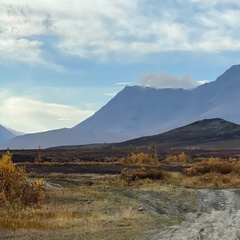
130,175
15,190
179,159
139,159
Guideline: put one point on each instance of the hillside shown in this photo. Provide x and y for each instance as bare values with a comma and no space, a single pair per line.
208,133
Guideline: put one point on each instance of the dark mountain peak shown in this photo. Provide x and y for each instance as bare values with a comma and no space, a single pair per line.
206,127
211,123
205,131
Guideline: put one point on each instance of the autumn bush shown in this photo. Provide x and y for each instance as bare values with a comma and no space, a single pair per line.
212,180
214,165
180,159
130,175
16,191
139,159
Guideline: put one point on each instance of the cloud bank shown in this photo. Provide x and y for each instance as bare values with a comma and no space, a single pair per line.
101,29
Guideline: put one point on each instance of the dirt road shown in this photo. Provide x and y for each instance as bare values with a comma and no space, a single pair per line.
217,218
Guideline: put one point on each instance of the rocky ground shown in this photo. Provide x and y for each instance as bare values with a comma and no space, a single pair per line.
217,218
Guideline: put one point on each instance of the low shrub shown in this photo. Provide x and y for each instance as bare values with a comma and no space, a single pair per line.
139,159
216,166
130,175
212,180
179,159
16,191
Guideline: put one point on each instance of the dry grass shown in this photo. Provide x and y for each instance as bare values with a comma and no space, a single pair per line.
105,207
207,173
212,180
213,173
103,210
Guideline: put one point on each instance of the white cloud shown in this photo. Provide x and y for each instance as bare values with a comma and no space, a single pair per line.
20,50
102,28
29,115
165,80
133,31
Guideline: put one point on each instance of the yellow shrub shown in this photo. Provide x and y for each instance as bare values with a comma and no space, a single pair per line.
213,165
130,175
15,189
179,159
139,159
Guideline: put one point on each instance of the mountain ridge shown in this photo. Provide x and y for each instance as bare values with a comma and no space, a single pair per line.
142,111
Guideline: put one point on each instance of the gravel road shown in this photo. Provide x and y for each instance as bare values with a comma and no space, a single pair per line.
217,218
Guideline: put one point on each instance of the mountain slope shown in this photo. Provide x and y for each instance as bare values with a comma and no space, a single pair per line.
60,137
145,111
137,111
5,134
207,132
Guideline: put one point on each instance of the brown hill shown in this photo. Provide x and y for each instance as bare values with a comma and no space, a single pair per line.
208,133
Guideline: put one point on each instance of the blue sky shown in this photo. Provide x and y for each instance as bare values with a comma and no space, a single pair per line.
60,61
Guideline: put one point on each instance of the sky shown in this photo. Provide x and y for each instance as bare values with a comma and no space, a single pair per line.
61,61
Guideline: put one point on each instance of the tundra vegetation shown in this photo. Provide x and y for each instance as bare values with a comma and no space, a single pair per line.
150,192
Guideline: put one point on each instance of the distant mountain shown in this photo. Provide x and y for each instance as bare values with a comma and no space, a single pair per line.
16,133
5,134
207,133
138,111
60,137
146,111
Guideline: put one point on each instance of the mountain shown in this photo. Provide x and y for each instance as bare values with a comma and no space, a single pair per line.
138,110
142,111
60,137
5,134
207,133
16,133
145,111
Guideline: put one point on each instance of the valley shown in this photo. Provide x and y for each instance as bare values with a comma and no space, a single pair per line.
89,197
119,120
150,164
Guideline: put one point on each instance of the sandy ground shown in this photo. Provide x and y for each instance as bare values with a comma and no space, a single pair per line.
217,218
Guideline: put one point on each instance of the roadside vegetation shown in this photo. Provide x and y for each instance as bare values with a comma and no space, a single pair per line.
98,207
213,173
198,172
150,192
